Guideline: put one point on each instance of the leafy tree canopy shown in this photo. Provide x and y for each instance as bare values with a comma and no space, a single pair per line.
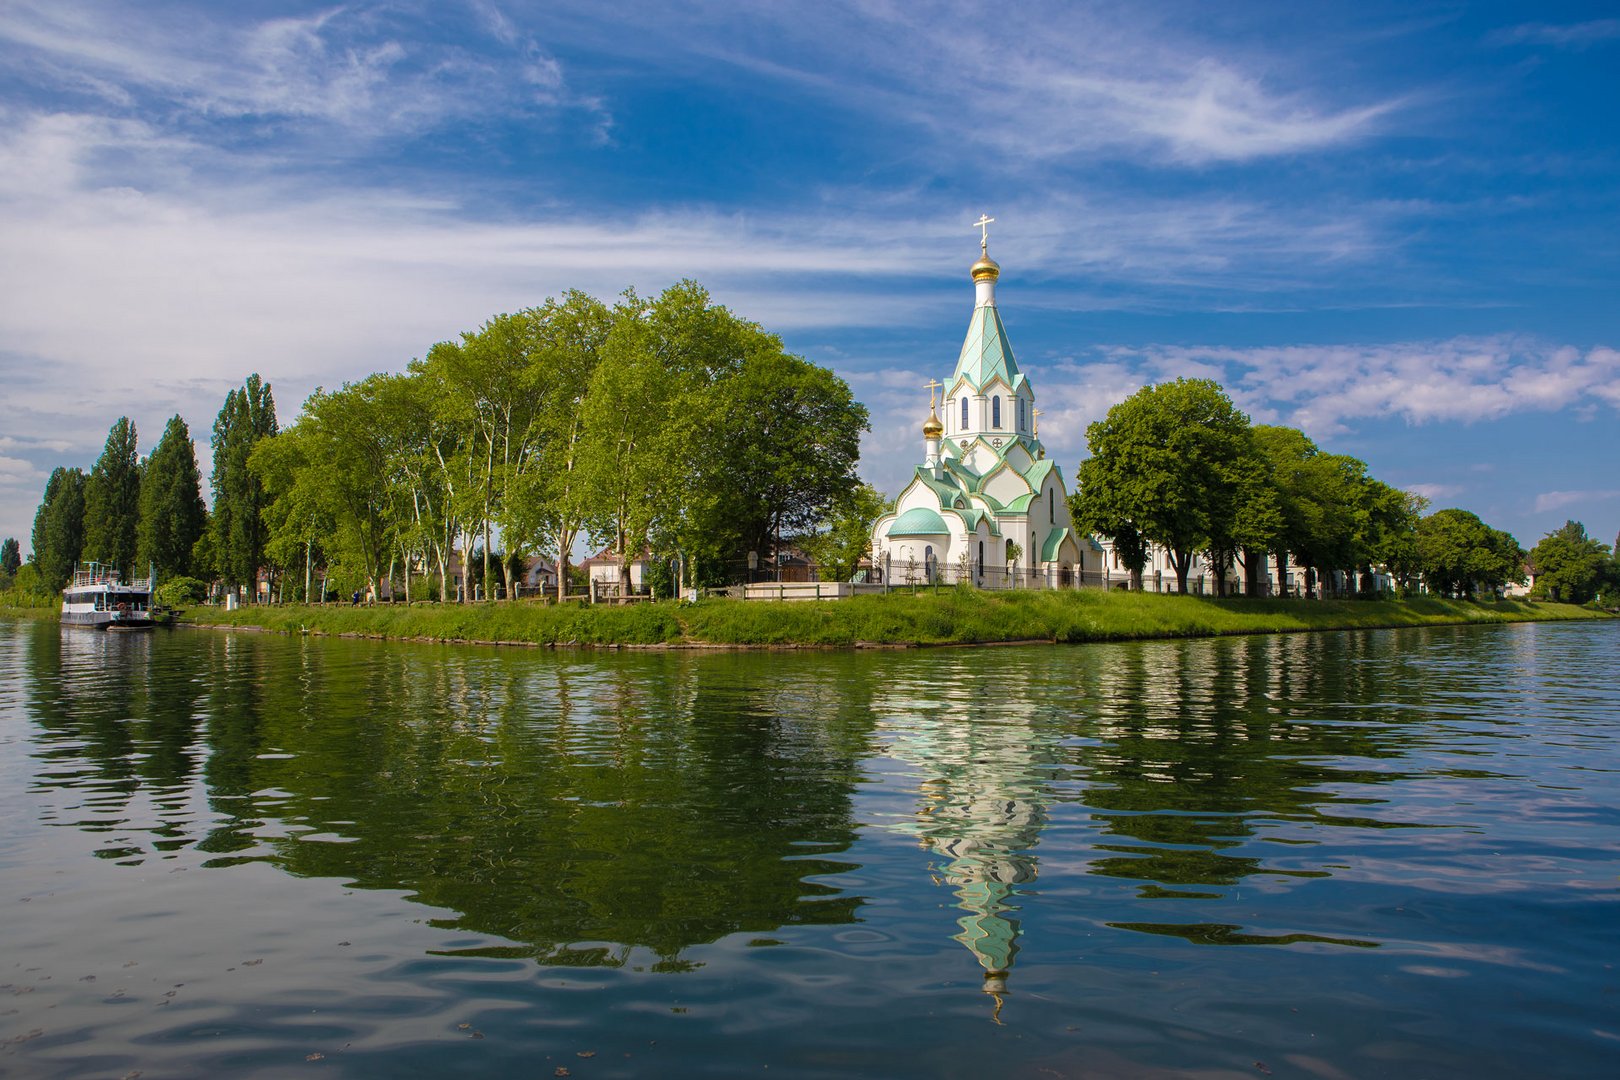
1569,565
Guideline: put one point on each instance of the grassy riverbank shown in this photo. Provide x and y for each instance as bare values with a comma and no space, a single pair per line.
948,617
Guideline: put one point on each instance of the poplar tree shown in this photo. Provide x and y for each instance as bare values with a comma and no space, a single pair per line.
112,500
58,536
249,414
10,556
172,515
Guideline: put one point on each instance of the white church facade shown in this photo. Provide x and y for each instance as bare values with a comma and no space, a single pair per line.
987,506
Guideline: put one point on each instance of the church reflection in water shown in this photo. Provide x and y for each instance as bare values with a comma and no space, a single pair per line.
988,780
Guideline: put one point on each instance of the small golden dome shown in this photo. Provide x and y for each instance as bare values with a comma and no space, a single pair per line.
986,269
932,428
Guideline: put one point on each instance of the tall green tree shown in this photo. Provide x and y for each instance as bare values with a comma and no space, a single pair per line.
1570,565
1167,465
10,556
847,539
1460,554
1387,534
1251,521
332,468
172,514
248,415
58,535
112,498
785,441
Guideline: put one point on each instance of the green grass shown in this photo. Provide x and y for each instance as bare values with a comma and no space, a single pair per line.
30,604
946,617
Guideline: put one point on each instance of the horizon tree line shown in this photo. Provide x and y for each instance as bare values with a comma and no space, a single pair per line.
671,426
1178,466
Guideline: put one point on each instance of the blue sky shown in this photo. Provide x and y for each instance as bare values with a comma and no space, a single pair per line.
1396,226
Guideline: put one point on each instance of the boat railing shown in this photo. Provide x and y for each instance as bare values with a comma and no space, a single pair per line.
92,574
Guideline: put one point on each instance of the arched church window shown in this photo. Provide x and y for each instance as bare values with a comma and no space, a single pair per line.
1020,414
995,411
978,571
1051,506
964,412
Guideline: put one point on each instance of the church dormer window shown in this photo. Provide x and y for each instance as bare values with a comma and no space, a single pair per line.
964,412
995,411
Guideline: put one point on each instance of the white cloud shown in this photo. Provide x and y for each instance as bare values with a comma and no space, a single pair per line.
1579,35
364,69
1435,492
1323,389
1558,500
1034,83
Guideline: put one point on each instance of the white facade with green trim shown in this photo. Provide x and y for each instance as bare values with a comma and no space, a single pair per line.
986,505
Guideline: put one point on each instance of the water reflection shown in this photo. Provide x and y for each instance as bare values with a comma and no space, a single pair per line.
613,810
986,777
583,809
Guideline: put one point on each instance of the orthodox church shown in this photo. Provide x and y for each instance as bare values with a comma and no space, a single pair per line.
986,505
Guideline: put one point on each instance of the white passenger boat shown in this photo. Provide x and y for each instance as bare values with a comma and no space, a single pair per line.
99,600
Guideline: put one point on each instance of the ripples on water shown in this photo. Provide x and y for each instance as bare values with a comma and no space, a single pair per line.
1386,853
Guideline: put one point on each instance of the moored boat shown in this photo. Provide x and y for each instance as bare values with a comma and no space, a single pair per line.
98,599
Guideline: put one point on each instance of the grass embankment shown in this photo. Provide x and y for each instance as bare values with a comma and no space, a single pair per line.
946,617
16,602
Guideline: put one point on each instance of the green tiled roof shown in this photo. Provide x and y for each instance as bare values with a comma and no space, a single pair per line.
918,521
1050,545
986,353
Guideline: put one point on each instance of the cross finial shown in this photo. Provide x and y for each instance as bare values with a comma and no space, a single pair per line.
931,385
983,225
1037,415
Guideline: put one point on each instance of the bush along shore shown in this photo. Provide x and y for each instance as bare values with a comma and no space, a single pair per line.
947,617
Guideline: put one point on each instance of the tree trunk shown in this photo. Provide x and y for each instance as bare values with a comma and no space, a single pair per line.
1282,572
1180,562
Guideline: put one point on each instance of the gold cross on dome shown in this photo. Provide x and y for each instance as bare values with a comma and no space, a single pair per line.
931,385
1037,414
983,225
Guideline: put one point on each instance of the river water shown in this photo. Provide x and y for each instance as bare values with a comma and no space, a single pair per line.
1387,853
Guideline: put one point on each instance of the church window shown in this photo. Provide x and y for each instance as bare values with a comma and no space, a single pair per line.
978,571
995,411
1051,507
1020,414
964,412
928,563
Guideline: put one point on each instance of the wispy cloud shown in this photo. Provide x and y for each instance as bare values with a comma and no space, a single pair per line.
1579,35
1036,82
357,68
1559,500
1324,389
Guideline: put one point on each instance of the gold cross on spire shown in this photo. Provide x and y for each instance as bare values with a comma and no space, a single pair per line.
1037,415
931,385
983,225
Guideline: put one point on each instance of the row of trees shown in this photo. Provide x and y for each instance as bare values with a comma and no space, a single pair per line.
664,424
1178,466
128,512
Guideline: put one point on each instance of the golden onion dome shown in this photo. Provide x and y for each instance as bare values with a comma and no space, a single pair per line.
932,428
986,269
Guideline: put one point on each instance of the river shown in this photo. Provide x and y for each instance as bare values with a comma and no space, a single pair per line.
1383,853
